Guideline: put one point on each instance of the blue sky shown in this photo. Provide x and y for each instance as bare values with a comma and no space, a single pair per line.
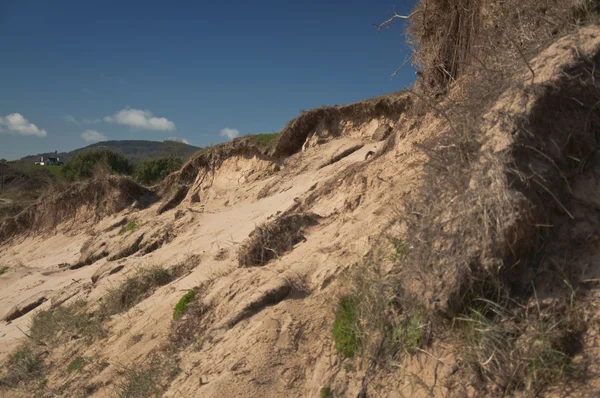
73,72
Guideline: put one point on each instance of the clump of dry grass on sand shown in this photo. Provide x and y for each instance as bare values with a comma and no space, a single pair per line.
272,239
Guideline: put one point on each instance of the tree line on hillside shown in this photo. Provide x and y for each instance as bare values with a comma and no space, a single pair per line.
148,172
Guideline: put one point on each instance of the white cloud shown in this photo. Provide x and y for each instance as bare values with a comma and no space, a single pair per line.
230,133
71,119
92,136
141,119
177,139
91,121
15,123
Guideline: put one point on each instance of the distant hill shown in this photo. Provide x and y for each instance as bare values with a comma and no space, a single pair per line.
135,150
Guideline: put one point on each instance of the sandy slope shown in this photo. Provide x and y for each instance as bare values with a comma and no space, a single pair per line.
286,339
267,330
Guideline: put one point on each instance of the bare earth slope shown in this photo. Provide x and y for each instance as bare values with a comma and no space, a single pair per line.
264,329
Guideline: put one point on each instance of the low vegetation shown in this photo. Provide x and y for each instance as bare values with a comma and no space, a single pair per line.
183,304
139,382
152,171
189,329
373,318
23,184
3,269
23,366
85,164
130,226
272,239
267,140
148,379
135,288
77,364
517,350
147,172
65,323
345,327
31,170
399,247
325,392
412,333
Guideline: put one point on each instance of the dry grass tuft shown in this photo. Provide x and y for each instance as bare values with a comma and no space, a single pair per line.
23,366
373,317
103,196
272,239
149,379
190,327
457,38
520,348
65,323
136,288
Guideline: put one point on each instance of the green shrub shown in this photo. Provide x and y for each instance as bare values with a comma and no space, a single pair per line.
84,164
182,305
345,327
3,269
152,171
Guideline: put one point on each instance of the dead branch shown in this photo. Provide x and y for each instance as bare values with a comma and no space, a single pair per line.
393,17
403,63
523,57
437,109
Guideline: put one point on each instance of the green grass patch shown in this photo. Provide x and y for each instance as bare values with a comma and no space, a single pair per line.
345,327
77,365
131,226
55,171
266,139
406,336
182,306
325,392
412,337
399,247
3,269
